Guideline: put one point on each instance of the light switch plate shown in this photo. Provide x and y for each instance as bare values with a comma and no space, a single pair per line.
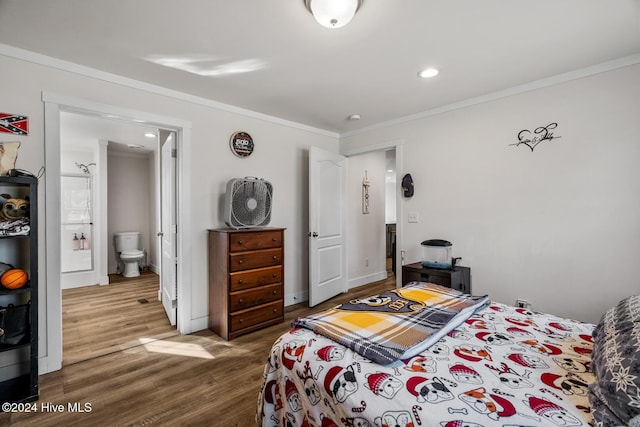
413,217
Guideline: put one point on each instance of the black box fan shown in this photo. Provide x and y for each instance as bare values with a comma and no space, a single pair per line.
248,202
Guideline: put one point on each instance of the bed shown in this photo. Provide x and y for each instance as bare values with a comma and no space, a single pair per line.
501,365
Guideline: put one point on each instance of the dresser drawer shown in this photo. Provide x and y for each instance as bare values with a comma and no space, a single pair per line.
251,241
257,296
253,316
255,259
252,278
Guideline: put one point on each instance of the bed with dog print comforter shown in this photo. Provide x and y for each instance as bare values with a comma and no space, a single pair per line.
504,366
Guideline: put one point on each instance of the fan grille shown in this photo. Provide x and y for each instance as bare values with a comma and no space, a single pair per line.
250,204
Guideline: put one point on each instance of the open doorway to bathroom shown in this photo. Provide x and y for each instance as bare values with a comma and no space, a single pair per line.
109,185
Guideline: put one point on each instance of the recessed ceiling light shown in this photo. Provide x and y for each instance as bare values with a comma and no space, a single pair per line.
137,146
429,72
354,117
150,135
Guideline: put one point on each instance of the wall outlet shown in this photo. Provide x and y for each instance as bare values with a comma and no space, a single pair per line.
413,217
523,303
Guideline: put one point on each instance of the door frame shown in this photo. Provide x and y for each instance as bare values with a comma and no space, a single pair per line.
54,104
397,145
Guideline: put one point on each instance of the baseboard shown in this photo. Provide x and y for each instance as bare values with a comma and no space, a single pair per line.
363,280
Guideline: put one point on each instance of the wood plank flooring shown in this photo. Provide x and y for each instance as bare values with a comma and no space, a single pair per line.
98,320
196,379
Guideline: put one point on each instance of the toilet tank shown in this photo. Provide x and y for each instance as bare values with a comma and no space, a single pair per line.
127,241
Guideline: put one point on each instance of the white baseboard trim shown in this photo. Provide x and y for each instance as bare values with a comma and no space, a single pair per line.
359,281
154,268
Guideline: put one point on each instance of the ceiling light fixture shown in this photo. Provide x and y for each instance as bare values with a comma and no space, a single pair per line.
333,13
150,135
429,72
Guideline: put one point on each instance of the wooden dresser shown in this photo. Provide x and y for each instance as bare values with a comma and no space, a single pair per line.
246,280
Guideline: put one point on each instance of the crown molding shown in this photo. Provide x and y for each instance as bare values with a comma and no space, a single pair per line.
82,70
534,85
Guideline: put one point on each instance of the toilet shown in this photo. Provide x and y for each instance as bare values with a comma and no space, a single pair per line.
128,253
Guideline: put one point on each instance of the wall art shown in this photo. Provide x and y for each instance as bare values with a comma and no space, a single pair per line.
241,144
539,135
14,123
365,193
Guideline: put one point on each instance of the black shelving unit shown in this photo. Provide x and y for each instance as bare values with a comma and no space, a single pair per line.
19,362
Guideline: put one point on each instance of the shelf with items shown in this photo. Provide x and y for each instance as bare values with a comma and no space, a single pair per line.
18,289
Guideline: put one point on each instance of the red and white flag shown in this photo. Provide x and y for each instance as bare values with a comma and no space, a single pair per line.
14,123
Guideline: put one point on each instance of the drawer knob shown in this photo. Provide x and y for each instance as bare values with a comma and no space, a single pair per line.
241,320
240,242
275,310
275,257
240,282
239,261
275,292
274,240
274,275
240,301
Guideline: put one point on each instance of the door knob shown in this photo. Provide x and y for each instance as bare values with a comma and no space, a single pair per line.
160,234
314,234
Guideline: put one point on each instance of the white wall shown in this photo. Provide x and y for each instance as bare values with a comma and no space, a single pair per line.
129,199
559,226
281,156
366,260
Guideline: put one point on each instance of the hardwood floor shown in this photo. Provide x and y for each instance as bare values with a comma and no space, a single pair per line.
196,379
98,320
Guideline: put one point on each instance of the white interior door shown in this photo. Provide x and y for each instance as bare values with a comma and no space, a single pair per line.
327,239
168,270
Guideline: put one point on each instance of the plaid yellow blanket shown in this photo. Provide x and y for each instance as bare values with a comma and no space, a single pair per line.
397,324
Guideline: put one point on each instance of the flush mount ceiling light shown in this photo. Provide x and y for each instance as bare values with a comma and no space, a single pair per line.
428,73
333,13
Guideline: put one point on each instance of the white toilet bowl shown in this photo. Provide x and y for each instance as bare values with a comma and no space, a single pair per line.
131,260
128,252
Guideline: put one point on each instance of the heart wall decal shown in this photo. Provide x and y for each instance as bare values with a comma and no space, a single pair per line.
539,135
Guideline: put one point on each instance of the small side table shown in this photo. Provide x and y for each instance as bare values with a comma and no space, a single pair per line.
458,278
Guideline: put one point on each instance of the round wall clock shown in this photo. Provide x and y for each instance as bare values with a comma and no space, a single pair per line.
241,144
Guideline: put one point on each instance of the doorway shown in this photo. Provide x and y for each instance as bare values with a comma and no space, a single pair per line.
55,105
384,162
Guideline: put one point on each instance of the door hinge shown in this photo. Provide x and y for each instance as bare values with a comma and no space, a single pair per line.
174,153
174,303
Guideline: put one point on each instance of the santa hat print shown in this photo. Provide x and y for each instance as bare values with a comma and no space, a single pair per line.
518,331
550,379
327,422
375,381
289,388
330,378
454,423
325,353
412,386
508,409
460,369
519,359
270,392
540,406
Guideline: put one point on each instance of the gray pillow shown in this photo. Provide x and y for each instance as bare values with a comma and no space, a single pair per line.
615,395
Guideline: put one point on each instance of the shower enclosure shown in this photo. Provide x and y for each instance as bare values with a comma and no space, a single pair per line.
77,225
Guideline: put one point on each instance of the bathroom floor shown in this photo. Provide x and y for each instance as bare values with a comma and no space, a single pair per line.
99,320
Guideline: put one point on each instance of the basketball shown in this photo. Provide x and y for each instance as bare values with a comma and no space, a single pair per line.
14,278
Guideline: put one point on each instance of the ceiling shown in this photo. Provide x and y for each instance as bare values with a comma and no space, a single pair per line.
271,57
